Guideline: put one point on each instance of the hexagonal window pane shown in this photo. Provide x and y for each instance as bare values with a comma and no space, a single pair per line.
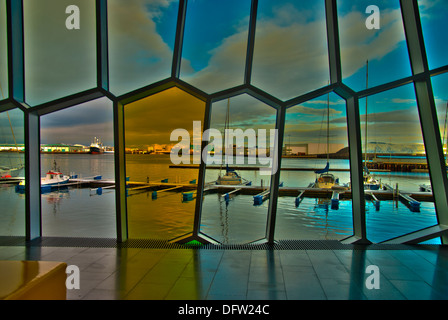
433,19
77,144
235,203
215,44
3,53
160,132
315,135
394,153
59,60
12,216
385,48
290,54
141,42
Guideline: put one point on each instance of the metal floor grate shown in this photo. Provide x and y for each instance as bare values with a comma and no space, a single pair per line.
165,244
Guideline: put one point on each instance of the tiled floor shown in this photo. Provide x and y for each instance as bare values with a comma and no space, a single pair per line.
173,274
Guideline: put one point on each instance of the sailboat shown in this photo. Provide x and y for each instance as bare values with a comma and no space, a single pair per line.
326,180
370,183
14,169
230,177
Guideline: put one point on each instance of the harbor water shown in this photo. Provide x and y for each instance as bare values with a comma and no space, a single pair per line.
81,212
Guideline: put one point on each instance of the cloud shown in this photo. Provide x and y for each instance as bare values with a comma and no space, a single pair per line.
138,53
359,44
79,124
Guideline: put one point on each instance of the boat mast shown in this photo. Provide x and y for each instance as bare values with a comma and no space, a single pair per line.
365,125
328,127
444,133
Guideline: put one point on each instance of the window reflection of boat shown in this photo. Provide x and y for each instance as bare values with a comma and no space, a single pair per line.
7,172
13,169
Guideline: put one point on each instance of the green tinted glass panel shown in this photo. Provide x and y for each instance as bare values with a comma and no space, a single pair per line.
3,52
59,60
12,215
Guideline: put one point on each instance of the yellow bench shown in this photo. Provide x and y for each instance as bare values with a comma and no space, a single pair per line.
32,280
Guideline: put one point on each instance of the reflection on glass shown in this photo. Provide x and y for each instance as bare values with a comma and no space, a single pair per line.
78,143
215,44
59,61
433,15
162,191
385,48
3,53
240,149
141,42
291,56
12,215
315,136
395,154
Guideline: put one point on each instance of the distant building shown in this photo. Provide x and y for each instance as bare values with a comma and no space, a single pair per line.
61,148
311,148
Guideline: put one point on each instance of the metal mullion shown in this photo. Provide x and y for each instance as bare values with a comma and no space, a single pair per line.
102,49
427,109
251,42
120,172
334,52
179,40
16,56
275,177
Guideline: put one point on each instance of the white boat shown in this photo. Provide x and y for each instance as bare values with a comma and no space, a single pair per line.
230,177
52,179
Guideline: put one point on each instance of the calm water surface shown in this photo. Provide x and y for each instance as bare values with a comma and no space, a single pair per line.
84,213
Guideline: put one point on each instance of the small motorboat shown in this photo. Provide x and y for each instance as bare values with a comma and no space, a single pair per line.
52,179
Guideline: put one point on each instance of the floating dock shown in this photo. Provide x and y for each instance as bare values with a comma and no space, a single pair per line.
260,193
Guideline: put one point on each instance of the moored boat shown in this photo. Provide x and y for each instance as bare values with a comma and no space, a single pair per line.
52,179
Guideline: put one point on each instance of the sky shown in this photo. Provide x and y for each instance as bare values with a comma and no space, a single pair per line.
290,59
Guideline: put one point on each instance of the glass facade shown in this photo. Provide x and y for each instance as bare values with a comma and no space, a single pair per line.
356,86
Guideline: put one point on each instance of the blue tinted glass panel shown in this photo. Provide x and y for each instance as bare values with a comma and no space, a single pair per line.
141,42
433,18
385,48
315,133
215,44
395,155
